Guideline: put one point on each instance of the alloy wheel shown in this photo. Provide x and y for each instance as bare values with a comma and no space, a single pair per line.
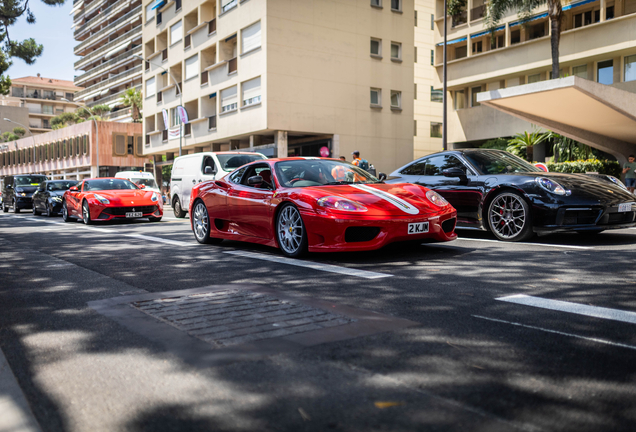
507,216
290,230
200,222
86,213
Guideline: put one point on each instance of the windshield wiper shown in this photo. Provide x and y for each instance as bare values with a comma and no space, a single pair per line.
336,183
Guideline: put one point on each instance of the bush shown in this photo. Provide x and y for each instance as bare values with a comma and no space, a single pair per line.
497,143
590,165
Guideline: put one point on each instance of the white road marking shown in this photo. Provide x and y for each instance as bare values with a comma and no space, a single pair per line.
312,265
160,240
575,308
527,244
603,341
42,220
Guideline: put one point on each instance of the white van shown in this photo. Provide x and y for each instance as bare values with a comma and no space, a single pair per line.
140,178
195,168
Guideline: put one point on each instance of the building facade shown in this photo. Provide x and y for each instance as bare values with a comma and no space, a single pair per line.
108,35
74,152
598,43
284,78
43,99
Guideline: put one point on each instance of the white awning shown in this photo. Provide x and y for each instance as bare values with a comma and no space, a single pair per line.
88,96
117,50
104,92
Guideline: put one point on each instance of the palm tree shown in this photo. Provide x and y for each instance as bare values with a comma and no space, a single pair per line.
522,143
132,98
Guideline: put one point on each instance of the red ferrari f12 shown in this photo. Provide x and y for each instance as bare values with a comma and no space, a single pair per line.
316,205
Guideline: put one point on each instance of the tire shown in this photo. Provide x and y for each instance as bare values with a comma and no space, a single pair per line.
509,217
154,219
176,207
35,211
5,209
65,216
201,224
291,234
49,210
15,207
86,214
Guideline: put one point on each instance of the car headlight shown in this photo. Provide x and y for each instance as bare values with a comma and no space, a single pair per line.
617,182
436,198
552,186
56,198
155,197
343,204
101,199
22,194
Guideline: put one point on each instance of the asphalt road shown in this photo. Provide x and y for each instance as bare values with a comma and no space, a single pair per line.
477,360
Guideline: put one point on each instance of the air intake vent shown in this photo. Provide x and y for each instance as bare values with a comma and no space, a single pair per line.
361,234
448,225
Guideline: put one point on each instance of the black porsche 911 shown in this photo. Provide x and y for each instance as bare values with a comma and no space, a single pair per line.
497,191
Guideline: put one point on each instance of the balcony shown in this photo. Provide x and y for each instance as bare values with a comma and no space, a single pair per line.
133,15
89,58
113,97
105,67
108,82
109,11
460,19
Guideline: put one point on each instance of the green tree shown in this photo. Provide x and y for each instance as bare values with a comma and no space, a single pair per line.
522,143
65,119
99,110
495,143
28,49
19,131
133,98
9,136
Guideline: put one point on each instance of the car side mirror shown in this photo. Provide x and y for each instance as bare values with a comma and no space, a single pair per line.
209,170
381,176
142,186
255,180
73,189
9,186
454,172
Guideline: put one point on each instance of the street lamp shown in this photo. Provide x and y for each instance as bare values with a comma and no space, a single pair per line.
96,130
32,137
444,98
178,88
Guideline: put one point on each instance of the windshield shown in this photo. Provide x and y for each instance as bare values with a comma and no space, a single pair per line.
60,185
29,180
108,184
498,162
148,182
229,162
319,172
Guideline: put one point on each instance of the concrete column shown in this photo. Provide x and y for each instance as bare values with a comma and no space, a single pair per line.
280,138
603,7
335,146
507,37
94,172
255,140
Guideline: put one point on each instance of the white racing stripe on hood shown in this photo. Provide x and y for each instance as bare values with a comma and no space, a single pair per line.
397,202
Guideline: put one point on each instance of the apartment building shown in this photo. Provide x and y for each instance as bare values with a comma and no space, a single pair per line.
108,35
598,44
283,78
43,97
428,98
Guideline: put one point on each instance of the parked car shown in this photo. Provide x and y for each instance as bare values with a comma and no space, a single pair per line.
17,191
191,169
299,205
108,198
140,178
497,191
47,199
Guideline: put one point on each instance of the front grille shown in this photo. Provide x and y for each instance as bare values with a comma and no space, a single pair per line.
121,211
580,217
617,218
448,225
361,234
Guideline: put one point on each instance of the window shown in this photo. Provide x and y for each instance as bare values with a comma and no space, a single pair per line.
150,87
251,91
461,52
251,37
119,145
376,47
176,33
630,68
235,177
47,109
560,73
432,57
609,13
605,72
228,99
537,31
396,5
175,120
534,78
376,3
396,99
415,92
415,18
436,131
432,22
376,97
226,5
477,47
396,51
515,36
437,95
192,67
150,14
131,145
436,165
414,127
415,56
17,91
459,100
177,5
580,71
473,96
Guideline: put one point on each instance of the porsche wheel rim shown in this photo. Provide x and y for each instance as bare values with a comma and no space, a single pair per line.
290,229
200,221
507,216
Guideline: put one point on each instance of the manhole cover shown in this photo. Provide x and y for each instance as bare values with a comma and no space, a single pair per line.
232,316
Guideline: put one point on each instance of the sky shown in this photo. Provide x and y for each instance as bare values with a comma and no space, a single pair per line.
52,29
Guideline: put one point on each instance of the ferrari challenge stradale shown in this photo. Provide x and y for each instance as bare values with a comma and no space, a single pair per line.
316,205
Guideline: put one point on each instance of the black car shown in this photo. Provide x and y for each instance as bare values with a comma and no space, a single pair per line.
497,191
18,189
47,199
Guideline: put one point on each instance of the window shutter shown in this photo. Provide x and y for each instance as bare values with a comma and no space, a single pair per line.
228,98
251,37
139,146
150,87
251,90
176,32
119,145
192,67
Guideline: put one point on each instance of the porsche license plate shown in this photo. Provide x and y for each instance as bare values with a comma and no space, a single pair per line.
624,207
418,228
134,214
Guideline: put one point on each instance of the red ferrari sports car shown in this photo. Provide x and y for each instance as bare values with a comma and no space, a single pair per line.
316,205
104,199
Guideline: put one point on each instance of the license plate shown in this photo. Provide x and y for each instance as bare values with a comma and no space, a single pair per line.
624,207
418,228
134,214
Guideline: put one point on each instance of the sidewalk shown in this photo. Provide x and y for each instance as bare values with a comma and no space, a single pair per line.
15,413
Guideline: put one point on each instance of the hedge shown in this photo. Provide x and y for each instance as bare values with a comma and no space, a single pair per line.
590,165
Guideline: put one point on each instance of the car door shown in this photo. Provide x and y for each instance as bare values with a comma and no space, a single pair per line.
250,206
207,161
39,198
189,179
73,199
464,193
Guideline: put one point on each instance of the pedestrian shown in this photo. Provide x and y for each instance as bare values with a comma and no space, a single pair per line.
359,162
629,169
342,158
